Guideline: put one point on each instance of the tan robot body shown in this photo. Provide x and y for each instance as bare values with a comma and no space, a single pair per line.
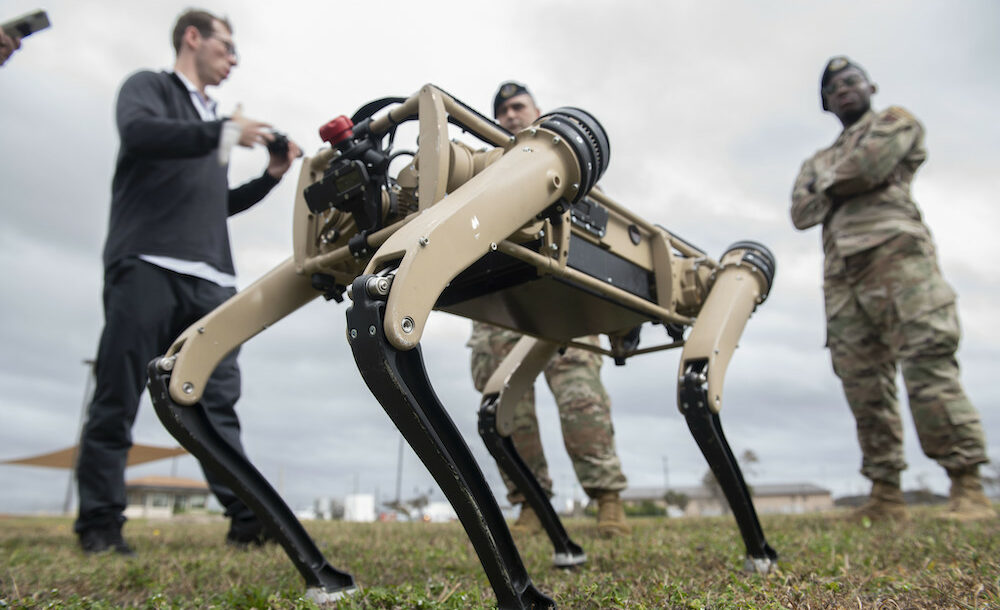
514,235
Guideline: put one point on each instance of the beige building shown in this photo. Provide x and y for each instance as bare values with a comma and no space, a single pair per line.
157,497
780,498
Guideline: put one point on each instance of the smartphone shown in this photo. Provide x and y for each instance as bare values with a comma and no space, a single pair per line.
26,25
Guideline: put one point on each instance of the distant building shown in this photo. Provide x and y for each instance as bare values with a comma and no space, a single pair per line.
914,497
156,497
359,507
327,508
780,498
438,512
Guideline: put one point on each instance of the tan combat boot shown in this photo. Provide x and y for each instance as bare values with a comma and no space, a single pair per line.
611,515
967,502
885,504
527,522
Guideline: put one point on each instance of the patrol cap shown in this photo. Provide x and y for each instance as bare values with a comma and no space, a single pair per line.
506,91
837,64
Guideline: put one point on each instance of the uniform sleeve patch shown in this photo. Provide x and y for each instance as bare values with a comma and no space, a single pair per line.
896,113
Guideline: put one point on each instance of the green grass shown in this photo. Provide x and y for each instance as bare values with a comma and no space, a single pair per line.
824,562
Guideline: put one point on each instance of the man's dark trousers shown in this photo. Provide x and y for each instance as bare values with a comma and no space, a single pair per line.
145,308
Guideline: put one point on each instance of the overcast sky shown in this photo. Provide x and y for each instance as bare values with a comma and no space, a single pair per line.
710,108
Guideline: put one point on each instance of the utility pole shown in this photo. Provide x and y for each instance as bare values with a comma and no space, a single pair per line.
666,476
88,390
399,472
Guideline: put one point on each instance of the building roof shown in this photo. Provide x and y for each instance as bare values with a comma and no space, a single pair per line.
761,490
157,483
788,489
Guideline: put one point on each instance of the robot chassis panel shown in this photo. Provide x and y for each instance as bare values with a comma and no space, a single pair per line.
515,235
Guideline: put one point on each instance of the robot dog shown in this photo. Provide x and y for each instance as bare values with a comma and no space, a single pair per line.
514,235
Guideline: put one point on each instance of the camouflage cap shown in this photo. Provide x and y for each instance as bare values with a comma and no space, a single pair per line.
506,91
836,64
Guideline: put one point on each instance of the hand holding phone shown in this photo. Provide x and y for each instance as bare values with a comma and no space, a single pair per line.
26,25
11,32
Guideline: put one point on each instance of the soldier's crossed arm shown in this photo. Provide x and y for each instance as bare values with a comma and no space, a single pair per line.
891,137
809,208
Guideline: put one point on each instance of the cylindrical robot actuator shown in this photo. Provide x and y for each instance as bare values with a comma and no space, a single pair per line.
743,281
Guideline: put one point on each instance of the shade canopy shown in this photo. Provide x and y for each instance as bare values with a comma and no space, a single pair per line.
66,458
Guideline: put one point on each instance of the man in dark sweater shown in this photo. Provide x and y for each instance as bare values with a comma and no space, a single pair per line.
167,262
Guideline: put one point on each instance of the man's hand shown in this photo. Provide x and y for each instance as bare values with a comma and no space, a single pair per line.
257,132
277,165
8,44
251,132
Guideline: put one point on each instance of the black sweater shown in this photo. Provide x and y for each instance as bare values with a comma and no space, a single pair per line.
169,195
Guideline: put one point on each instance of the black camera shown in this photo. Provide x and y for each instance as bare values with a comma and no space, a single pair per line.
279,145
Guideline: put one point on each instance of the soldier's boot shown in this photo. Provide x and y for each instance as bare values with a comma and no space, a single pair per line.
527,522
611,515
967,502
885,504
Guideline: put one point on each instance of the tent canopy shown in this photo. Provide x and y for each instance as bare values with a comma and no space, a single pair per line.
66,458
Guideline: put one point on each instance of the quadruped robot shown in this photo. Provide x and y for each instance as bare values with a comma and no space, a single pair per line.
515,235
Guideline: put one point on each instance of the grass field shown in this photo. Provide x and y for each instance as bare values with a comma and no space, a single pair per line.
824,562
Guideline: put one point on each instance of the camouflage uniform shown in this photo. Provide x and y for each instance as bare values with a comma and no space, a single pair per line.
584,412
886,301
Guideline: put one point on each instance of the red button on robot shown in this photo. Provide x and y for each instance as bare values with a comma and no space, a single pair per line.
337,130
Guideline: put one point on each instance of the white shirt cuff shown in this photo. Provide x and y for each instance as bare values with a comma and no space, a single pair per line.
227,139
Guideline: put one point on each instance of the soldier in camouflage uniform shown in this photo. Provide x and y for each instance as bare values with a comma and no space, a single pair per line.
575,380
886,301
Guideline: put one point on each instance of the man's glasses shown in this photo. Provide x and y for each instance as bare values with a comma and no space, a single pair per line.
229,46
849,81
